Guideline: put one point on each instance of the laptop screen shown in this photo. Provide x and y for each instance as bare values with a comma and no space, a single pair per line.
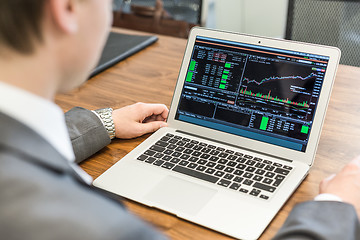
262,93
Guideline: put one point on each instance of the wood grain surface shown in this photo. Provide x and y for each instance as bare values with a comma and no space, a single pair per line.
150,76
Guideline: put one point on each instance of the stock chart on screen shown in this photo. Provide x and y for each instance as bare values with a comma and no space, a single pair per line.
263,93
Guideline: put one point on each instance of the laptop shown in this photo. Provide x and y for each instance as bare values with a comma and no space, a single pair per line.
243,128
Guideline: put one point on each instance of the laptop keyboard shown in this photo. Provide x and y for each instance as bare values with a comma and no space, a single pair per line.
233,170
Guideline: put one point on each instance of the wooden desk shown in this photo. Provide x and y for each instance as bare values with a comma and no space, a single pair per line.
150,76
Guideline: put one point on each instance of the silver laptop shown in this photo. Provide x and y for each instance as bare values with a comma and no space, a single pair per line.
244,125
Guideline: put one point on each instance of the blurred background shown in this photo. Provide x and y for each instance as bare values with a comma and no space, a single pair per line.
261,17
327,22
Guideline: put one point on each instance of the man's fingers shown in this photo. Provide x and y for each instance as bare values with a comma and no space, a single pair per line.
151,126
153,109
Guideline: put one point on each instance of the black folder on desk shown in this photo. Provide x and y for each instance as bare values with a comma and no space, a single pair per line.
120,46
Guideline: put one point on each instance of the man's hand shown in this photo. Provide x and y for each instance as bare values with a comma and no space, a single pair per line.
138,119
345,184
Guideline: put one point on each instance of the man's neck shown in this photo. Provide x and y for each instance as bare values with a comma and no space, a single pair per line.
34,73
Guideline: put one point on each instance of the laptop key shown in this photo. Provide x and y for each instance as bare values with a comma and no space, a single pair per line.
158,162
168,152
248,182
196,174
188,151
287,167
192,165
219,173
255,192
150,160
229,169
224,183
219,167
196,154
282,171
189,145
193,159
250,162
210,164
269,174
173,141
244,190
267,181
238,179
179,149
149,152
205,156
260,171
213,158
239,154
176,154
142,157
235,186
181,143
223,155
165,139
267,162
206,150
167,158
157,148
264,187
183,163
202,162
269,168
185,156
264,197
201,168
175,160
214,152
161,143
210,170
238,172
231,164
228,176
168,165
159,155
172,146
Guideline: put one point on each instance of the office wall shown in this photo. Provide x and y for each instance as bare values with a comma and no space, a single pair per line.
260,17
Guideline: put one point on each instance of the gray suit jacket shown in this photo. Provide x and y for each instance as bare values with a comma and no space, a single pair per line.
42,198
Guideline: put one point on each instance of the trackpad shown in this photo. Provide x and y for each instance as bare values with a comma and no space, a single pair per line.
180,195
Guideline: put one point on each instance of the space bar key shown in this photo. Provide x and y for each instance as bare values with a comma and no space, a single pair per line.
196,174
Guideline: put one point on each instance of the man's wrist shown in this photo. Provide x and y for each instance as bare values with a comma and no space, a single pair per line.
105,115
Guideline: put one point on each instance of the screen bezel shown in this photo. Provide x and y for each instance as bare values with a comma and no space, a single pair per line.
246,143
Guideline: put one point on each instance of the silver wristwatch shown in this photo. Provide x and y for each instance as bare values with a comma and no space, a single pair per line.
105,115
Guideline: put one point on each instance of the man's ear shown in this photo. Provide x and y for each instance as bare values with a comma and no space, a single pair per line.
64,14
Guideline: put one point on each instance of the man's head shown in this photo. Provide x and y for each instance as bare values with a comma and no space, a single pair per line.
64,35
20,24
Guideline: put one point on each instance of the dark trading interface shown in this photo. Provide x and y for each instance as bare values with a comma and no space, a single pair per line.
262,93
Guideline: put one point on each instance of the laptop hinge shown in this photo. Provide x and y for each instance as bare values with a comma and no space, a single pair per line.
233,145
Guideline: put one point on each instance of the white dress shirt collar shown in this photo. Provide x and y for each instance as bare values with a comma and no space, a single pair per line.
41,115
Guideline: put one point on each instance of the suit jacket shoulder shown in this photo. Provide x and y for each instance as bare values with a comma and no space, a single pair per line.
321,220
